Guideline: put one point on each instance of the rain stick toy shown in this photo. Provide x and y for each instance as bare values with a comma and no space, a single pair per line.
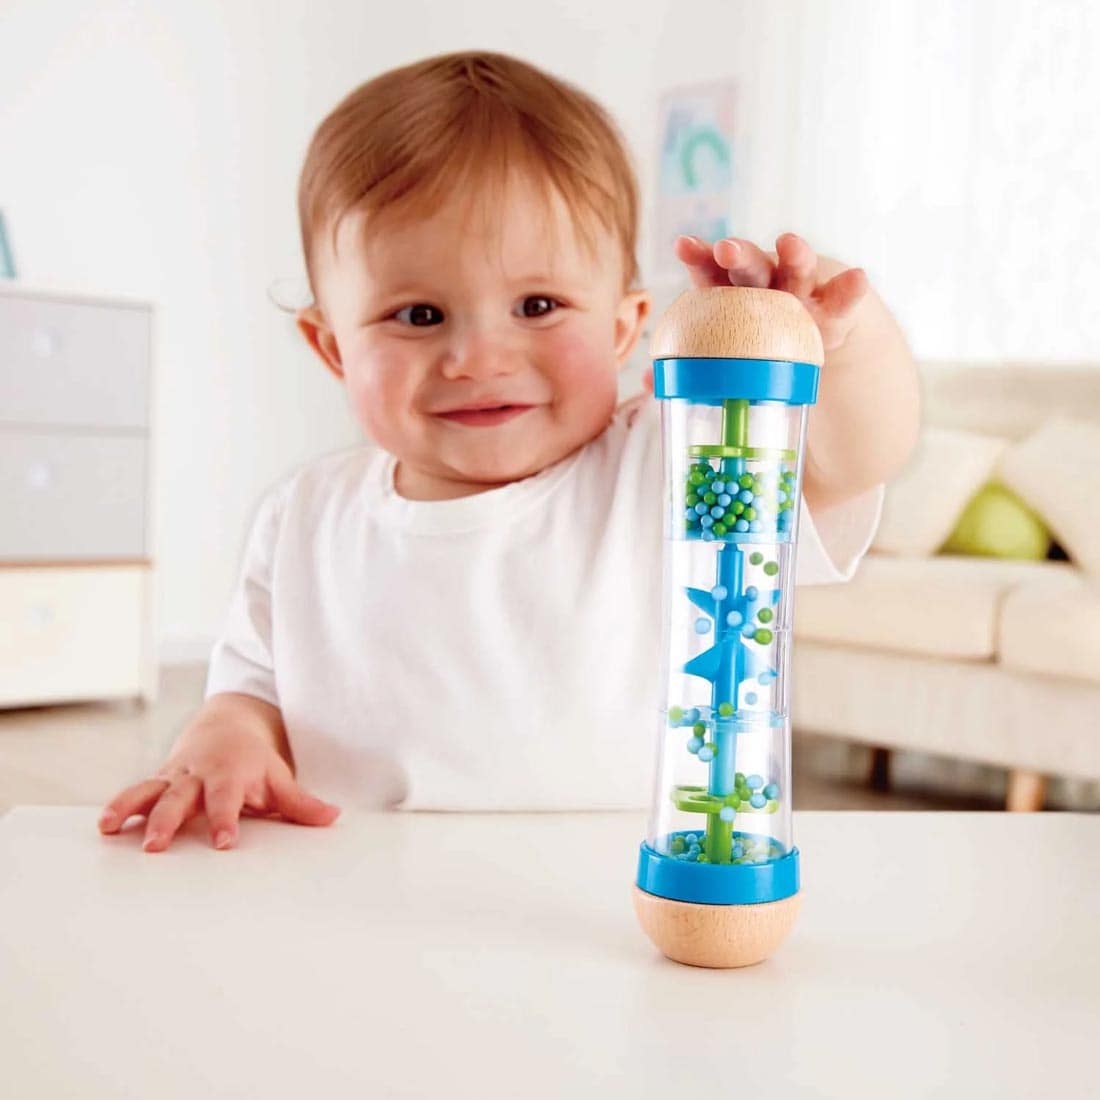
735,369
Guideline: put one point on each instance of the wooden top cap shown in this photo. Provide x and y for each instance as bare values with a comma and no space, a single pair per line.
736,322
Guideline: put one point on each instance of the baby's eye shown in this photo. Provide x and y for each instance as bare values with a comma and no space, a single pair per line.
420,315
537,305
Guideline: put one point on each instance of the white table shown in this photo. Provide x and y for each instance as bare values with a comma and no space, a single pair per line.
438,956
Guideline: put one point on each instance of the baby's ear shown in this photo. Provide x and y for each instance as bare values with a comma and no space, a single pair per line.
629,320
313,326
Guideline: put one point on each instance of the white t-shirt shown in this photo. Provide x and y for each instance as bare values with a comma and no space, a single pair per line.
498,651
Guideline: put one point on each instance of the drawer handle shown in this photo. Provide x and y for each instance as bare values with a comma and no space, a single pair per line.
40,475
45,342
41,614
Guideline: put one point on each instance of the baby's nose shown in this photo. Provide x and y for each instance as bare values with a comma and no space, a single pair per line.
480,358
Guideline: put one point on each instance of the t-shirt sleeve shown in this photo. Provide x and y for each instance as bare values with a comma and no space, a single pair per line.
241,659
832,543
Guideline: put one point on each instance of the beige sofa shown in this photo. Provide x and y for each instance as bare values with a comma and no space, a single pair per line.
978,659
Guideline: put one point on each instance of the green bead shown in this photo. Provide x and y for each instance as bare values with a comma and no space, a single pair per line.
700,728
675,714
764,615
771,568
692,499
737,507
725,709
772,806
763,636
709,498
739,779
756,558
719,530
745,481
677,845
749,513
696,478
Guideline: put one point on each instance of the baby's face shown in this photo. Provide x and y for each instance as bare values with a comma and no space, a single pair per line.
479,346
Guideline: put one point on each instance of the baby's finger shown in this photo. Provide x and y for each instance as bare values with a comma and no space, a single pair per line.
703,268
223,797
173,808
134,800
745,264
841,295
295,805
797,264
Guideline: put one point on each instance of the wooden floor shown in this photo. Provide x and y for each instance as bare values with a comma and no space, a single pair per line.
84,753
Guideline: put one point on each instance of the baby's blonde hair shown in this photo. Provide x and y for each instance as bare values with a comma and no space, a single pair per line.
400,145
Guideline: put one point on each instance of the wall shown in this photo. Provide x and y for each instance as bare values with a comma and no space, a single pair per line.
151,149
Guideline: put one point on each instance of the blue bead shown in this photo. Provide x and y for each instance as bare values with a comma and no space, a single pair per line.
706,755
695,744
692,838
708,536
691,716
752,592
754,525
700,509
750,698
771,790
719,592
726,813
690,513
741,525
766,676
745,496
702,626
718,512
725,499
717,486
734,618
707,521
738,850
748,630
758,801
755,781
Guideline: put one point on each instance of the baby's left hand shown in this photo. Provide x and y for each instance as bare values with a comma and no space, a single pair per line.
831,292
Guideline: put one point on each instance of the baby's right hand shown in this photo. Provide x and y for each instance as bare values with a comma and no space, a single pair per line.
223,769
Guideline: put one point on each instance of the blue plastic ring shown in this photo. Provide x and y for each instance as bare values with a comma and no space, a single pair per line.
709,381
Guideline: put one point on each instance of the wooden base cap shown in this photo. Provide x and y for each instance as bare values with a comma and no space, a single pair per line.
719,936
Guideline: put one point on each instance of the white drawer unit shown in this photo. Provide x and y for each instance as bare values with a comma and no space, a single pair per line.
73,633
76,568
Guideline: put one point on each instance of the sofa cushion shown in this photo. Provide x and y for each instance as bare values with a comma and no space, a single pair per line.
1052,626
941,607
926,499
998,524
1057,471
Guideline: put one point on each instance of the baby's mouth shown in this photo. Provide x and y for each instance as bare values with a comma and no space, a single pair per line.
485,418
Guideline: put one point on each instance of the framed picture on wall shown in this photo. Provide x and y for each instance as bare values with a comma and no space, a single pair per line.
7,261
697,168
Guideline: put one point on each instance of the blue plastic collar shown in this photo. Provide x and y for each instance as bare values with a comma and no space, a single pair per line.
717,884
709,381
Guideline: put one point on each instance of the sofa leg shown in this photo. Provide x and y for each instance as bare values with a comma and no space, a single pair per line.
1025,791
878,775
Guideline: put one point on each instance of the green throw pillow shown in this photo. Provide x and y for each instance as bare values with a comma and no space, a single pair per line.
998,524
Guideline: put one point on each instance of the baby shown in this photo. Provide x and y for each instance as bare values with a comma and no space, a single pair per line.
465,613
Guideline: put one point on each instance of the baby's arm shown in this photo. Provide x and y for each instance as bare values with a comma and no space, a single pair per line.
866,420
232,756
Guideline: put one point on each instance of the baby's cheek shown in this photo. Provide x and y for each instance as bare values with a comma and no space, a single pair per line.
375,392
580,361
